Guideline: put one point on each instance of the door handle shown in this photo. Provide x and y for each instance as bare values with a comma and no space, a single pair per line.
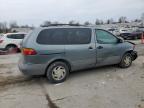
90,47
99,47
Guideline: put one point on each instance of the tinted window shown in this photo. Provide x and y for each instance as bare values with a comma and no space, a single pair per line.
16,36
52,36
64,36
79,36
105,37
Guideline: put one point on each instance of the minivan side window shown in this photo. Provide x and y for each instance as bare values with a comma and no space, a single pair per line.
16,36
104,37
52,36
62,36
79,36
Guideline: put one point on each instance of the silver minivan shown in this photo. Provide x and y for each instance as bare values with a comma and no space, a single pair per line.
57,50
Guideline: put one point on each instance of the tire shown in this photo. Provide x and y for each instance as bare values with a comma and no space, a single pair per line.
12,49
57,72
126,61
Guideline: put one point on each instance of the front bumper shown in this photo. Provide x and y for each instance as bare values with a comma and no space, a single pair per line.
134,55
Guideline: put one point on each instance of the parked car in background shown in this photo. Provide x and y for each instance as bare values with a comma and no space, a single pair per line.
56,50
114,31
124,30
141,29
11,41
132,35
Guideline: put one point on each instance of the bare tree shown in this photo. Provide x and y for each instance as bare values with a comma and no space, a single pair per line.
97,22
46,23
3,27
87,23
122,19
137,20
25,26
77,23
13,24
71,22
56,22
142,18
101,22
74,22
110,21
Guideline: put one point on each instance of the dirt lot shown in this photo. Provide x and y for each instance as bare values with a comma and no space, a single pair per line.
105,87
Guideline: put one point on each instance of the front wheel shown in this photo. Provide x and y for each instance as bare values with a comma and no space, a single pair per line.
57,72
126,61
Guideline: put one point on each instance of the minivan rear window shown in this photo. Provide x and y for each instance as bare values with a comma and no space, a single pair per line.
61,36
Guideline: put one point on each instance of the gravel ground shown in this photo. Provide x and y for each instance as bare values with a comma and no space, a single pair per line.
104,87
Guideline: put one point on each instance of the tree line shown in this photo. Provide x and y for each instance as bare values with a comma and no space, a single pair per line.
6,27
122,19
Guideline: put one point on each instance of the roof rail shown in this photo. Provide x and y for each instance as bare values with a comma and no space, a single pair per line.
63,25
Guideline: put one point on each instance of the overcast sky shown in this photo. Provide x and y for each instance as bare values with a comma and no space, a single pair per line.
36,11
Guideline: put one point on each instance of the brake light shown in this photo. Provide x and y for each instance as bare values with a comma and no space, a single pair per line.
1,41
28,51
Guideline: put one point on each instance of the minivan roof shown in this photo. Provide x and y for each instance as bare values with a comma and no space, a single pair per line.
68,26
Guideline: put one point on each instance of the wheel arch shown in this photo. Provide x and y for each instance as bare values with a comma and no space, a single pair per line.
129,51
11,44
59,60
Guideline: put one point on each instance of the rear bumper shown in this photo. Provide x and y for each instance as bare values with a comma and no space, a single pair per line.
134,55
31,69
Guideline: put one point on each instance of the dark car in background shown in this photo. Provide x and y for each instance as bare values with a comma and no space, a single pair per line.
132,35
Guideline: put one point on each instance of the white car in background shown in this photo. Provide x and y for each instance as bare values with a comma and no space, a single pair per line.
11,41
1,35
125,30
114,31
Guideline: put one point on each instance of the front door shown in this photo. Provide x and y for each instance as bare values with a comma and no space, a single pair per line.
108,49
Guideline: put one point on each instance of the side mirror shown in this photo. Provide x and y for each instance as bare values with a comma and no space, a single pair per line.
120,40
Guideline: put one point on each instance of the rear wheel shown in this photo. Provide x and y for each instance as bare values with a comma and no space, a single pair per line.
57,72
12,49
126,61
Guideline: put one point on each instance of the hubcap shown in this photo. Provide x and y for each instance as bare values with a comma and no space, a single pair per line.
127,60
58,73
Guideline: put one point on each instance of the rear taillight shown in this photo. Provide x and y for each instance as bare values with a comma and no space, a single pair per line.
28,51
1,41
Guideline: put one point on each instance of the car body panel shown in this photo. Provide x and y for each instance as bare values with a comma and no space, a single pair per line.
110,54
